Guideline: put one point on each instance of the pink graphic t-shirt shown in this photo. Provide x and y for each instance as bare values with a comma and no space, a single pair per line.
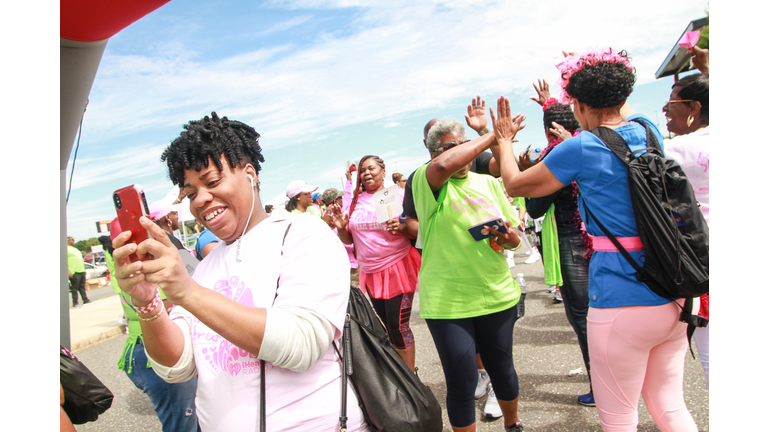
228,377
376,247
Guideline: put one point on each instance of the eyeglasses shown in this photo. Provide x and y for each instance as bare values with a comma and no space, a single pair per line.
447,146
666,104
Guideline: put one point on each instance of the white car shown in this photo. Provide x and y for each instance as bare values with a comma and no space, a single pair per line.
94,271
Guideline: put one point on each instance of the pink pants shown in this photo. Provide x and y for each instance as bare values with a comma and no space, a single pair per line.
634,350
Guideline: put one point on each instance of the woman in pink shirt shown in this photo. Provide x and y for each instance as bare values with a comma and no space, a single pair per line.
389,265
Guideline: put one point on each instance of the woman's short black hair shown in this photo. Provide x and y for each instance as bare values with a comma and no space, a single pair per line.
106,243
561,114
212,137
695,87
602,85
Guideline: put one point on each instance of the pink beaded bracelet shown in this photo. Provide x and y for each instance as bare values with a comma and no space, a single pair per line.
150,307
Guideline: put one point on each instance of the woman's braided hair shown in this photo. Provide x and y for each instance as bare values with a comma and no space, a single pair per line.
210,137
561,114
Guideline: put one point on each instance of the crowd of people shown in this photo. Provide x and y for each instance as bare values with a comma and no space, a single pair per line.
250,313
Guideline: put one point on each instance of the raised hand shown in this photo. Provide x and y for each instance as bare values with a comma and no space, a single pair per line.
475,116
560,131
700,58
338,218
542,92
506,126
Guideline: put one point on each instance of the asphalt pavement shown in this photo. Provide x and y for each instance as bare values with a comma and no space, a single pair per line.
545,352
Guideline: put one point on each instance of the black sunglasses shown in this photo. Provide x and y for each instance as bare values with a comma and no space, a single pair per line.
447,146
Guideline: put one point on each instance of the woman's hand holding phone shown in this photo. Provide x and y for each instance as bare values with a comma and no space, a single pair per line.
509,239
139,279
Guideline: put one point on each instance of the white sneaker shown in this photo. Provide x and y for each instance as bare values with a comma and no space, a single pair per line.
528,252
551,288
483,382
511,262
492,408
122,321
533,258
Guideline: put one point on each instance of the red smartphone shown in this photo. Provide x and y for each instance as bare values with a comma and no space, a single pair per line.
131,204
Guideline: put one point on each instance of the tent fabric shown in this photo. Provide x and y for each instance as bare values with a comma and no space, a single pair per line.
95,20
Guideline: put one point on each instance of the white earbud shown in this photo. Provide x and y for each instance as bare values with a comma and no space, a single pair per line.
251,178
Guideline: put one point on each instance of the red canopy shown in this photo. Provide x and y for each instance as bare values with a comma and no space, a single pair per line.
95,20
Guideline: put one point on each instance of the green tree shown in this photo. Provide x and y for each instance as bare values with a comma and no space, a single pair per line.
703,42
84,246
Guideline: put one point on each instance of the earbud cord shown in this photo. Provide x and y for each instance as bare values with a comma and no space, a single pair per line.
239,240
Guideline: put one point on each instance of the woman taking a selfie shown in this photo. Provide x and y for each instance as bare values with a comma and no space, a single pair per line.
249,300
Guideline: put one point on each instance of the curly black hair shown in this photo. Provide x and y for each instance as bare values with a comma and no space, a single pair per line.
562,114
212,137
695,87
602,85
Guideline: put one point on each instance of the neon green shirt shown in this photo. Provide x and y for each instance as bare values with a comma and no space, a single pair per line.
75,260
311,210
134,331
111,268
461,277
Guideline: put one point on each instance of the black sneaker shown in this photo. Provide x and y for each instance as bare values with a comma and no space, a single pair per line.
514,427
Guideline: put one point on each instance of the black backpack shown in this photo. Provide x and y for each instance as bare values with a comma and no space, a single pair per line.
392,397
670,224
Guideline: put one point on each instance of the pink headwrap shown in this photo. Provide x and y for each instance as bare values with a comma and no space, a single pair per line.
572,64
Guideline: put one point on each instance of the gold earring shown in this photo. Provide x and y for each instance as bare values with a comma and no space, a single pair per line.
690,120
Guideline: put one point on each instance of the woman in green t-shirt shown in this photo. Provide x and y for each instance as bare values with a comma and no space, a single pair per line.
467,294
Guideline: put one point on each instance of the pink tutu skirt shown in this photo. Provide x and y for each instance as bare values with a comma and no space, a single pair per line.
401,277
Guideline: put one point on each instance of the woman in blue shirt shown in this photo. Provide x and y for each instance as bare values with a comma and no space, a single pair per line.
636,342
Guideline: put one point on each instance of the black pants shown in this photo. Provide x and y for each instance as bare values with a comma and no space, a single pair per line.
457,341
77,283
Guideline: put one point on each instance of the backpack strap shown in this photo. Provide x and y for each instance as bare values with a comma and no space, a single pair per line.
619,146
619,246
262,363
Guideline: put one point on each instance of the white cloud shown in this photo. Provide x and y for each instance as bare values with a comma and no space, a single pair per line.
413,57
391,63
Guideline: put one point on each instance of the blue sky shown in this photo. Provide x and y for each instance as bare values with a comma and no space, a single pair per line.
325,81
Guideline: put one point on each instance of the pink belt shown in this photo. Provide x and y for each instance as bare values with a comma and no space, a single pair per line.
604,244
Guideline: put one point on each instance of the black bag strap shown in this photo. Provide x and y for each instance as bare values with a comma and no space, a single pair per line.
262,363
346,370
619,146
615,241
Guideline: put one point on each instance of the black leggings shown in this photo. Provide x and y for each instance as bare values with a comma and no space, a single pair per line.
457,342
395,313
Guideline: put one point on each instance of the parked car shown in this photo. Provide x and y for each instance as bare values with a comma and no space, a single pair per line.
94,271
98,256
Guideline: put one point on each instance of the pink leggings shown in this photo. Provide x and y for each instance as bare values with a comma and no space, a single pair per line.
634,350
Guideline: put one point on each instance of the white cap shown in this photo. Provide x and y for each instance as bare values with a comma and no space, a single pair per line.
296,187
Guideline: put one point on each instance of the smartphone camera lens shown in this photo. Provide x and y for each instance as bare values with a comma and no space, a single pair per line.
118,204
